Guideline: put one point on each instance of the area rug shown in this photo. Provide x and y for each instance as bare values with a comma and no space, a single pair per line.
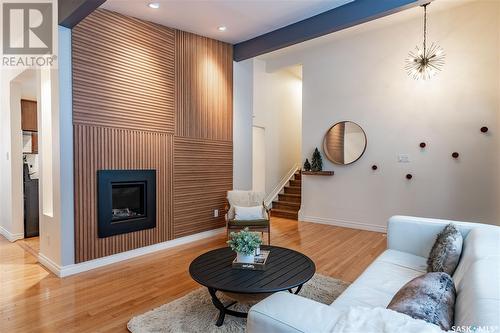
195,312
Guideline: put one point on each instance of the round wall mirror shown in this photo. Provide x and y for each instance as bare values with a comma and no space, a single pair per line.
344,143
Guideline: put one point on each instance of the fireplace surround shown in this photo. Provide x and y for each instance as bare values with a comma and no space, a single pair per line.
126,201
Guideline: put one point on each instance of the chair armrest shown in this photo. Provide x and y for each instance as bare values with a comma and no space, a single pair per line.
268,210
284,312
416,235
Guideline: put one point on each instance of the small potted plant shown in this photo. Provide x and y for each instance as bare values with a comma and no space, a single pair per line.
244,243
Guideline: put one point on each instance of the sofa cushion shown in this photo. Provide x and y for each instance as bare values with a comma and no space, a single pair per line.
480,243
445,253
381,280
248,223
430,297
248,213
476,279
478,294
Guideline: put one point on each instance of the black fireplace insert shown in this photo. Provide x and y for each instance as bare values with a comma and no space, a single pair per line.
126,201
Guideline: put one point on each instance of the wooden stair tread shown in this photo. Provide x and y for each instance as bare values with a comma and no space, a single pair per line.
294,188
293,203
290,195
283,210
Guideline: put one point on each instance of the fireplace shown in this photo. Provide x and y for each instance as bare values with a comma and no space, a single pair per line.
126,201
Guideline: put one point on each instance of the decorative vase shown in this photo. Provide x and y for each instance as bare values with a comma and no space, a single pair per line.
247,259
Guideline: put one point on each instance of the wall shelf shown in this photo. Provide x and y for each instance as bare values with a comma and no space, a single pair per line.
318,173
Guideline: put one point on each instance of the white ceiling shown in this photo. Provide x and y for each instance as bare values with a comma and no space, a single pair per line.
244,19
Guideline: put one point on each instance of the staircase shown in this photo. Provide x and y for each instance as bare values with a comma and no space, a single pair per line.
288,203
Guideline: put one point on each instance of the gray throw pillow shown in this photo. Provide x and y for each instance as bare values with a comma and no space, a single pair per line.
430,297
445,254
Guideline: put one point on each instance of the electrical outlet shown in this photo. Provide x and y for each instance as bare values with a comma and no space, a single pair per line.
404,158
216,213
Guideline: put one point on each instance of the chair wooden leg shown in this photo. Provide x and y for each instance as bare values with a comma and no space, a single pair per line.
269,236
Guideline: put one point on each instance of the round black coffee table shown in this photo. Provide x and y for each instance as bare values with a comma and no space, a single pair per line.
285,269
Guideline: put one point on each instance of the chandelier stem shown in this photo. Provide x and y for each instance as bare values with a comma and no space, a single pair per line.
425,29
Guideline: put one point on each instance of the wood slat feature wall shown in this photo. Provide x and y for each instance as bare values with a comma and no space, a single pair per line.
203,173
150,97
102,148
123,73
204,81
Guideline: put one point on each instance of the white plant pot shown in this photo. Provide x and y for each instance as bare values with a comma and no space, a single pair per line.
248,259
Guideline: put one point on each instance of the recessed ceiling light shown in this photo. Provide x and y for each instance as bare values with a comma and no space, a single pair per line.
222,28
154,5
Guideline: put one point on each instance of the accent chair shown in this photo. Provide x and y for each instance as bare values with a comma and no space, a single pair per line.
248,199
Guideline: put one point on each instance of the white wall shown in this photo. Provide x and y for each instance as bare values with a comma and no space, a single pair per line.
11,224
277,104
358,74
242,124
64,95
57,217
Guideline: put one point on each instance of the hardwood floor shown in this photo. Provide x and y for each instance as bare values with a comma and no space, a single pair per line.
32,245
103,300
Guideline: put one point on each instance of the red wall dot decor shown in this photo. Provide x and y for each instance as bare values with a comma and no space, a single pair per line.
374,167
422,145
409,176
484,129
455,155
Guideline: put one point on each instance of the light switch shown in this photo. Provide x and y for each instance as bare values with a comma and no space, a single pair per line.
404,158
216,213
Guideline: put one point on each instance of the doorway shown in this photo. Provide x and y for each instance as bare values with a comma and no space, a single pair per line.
25,158
259,159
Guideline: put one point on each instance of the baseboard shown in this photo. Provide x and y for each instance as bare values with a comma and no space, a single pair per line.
343,223
63,271
10,236
277,189
49,264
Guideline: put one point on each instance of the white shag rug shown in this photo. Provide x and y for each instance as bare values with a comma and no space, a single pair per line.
195,312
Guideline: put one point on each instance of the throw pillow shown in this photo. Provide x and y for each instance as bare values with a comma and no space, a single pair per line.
248,213
430,297
445,254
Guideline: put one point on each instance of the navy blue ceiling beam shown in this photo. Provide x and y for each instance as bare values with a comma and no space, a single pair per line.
348,15
71,12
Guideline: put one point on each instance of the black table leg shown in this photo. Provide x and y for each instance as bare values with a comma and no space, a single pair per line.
223,309
296,291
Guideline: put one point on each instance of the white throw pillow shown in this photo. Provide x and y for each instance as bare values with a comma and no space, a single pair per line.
248,213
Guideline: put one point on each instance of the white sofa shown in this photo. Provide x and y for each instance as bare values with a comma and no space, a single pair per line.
409,240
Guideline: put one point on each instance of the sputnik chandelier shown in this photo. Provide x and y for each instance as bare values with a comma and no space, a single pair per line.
423,63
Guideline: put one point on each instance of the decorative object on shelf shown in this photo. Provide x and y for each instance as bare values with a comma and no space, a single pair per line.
374,167
244,243
409,176
344,143
319,173
423,63
307,165
455,155
484,129
317,161
422,145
